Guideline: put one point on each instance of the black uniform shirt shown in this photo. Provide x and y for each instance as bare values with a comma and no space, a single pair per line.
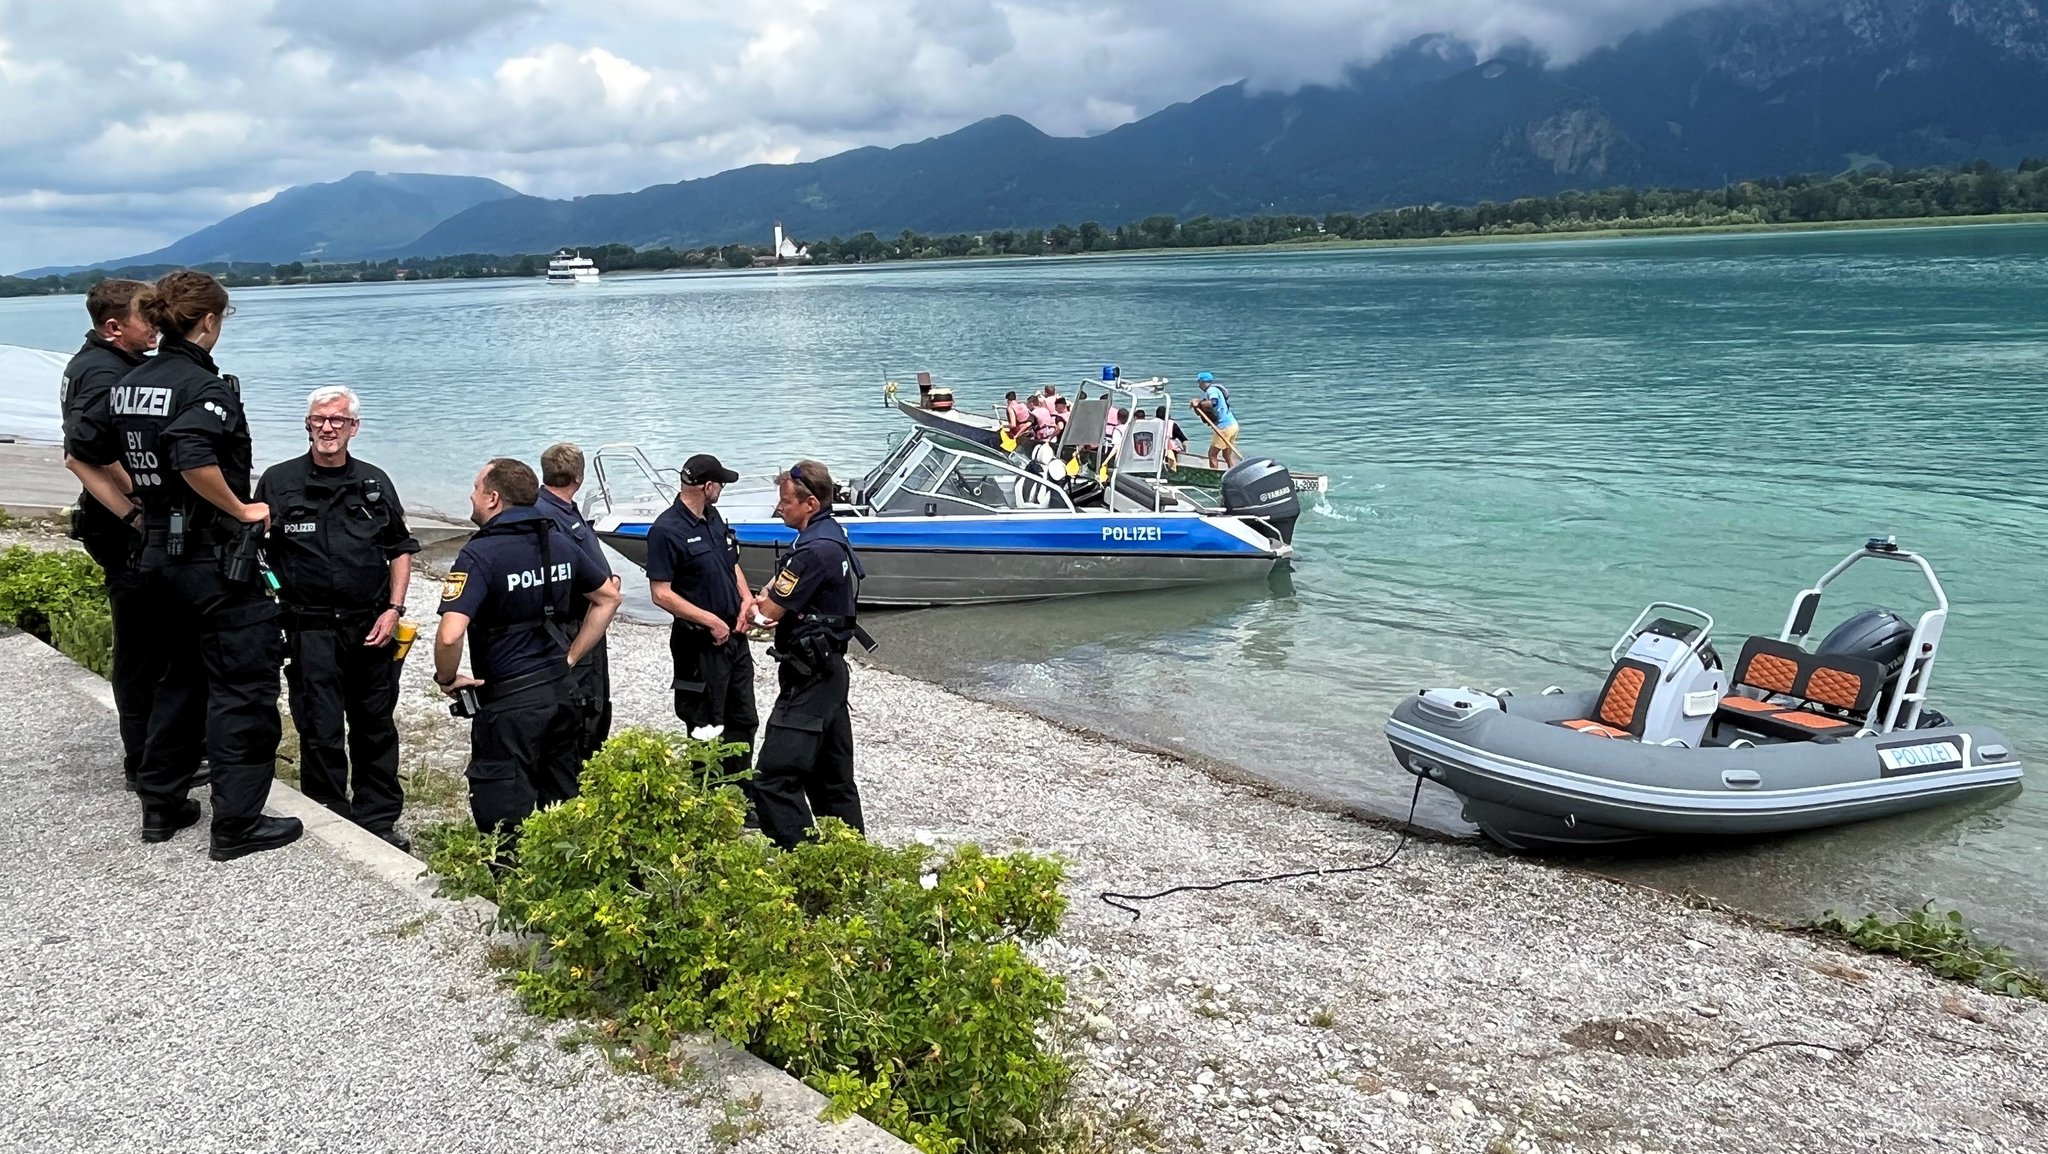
696,556
565,515
172,412
818,576
501,582
334,533
88,377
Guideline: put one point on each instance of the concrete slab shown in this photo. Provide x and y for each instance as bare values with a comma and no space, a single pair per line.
313,998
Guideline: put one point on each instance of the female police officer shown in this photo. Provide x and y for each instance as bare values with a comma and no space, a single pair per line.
179,429
805,766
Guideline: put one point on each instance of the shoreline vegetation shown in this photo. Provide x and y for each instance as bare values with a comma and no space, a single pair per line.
1979,193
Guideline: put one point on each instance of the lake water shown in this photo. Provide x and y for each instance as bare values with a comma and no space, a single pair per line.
1526,442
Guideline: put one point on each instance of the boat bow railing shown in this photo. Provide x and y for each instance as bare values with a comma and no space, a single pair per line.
622,476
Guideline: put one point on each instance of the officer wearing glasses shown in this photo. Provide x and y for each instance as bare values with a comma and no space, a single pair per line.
343,557
804,769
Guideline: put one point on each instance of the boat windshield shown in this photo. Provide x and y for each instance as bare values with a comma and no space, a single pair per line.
930,478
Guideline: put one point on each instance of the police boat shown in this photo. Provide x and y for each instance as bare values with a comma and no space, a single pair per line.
941,521
1674,743
936,409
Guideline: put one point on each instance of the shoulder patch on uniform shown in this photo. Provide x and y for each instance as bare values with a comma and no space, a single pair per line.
453,585
785,583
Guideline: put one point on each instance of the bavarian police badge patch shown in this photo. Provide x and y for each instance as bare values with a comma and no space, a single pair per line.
453,585
785,583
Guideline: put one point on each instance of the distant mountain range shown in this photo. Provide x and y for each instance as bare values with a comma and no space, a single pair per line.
348,219
1753,89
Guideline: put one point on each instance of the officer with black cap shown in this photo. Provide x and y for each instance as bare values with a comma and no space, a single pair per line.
805,767
178,429
590,684
693,571
343,557
108,524
509,592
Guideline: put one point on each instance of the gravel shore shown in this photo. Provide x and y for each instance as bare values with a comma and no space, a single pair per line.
1457,1000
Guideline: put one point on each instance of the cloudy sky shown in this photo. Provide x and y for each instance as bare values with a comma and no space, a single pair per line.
125,124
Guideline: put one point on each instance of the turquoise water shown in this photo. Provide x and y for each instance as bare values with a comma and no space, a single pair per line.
1526,444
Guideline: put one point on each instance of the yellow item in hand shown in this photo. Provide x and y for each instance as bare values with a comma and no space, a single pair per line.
406,633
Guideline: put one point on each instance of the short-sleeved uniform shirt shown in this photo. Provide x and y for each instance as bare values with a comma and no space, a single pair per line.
334,533
696,556
570,521
501,581
171,413
819,575
88,377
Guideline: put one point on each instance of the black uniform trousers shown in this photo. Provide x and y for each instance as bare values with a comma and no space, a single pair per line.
343,694
139,648
589,694
714,685
805,767
220,677
523,752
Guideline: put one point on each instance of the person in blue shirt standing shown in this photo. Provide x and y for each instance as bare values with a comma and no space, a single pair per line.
1214,406
590,684
509,593
693,572
805,768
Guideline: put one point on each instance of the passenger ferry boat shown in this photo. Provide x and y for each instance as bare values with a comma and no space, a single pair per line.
566,267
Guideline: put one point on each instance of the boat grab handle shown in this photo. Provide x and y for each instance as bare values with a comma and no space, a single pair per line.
1741,778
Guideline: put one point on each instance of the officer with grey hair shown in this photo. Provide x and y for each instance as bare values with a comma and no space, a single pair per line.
343,558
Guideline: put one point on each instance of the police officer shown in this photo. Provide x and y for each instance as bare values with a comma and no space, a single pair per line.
805,767
108,524
178,429
590,683
510,592
693,571
343,557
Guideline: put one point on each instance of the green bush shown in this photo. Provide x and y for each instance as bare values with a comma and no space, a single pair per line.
60,598
890,979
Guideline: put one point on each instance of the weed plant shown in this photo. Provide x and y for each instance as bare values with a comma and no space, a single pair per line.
1944,943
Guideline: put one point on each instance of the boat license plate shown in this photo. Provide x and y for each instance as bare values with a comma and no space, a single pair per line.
1919,756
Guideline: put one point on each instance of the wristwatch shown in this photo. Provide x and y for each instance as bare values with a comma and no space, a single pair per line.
445,684
396,607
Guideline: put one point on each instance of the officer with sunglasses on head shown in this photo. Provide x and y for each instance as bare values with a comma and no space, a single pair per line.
804,769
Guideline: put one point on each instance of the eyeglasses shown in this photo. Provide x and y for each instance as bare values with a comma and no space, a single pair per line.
329,422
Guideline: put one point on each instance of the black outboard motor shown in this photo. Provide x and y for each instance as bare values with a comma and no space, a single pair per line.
1262,487
1878,635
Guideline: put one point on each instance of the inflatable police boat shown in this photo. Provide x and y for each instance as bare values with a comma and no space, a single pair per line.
1676,744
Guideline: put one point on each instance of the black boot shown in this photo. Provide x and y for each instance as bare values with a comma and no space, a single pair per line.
244,836
159,823
395,838
204,774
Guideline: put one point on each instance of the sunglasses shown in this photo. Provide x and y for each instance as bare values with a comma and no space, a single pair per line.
796,475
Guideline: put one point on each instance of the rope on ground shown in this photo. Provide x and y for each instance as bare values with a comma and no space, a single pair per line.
1121,901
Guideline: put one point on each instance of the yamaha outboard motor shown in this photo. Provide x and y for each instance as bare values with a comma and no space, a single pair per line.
1878,635
1262,487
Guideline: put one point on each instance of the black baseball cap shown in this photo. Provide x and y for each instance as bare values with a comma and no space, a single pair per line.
704,468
